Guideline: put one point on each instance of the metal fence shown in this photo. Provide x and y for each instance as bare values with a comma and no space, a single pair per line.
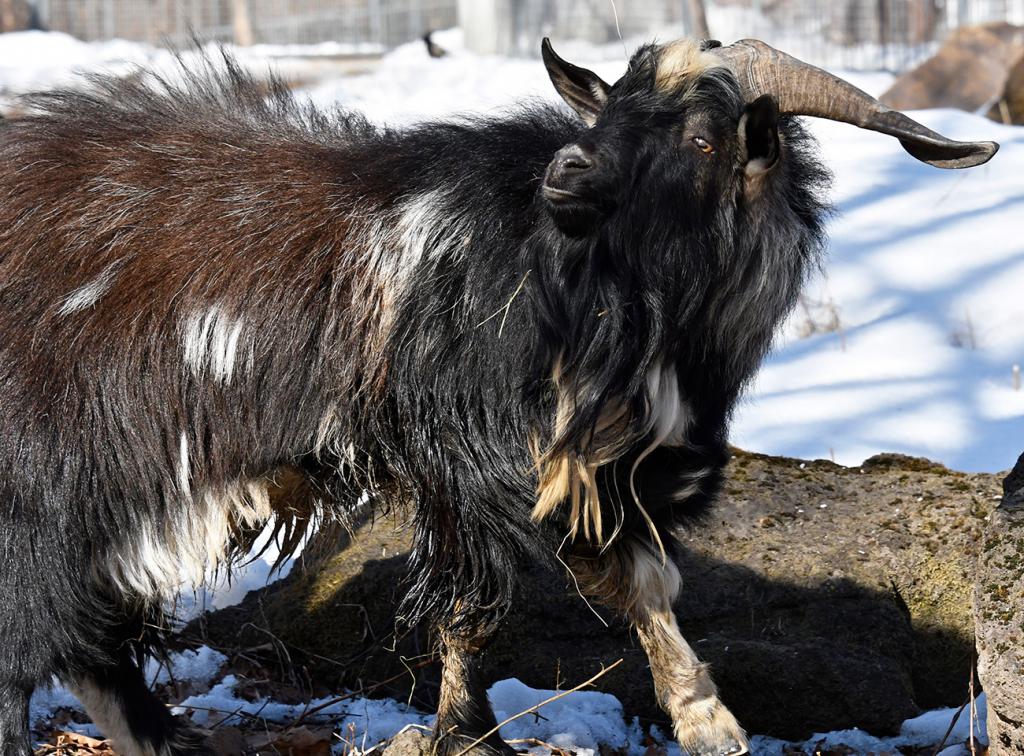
852,34
365,24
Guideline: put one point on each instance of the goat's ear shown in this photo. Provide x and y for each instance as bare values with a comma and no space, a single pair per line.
759,135
583,90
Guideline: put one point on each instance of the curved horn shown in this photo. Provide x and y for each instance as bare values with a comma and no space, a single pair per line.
803,89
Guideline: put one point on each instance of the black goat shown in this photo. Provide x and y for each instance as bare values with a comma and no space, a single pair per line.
531,329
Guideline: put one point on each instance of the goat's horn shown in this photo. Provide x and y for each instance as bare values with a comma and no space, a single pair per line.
803,89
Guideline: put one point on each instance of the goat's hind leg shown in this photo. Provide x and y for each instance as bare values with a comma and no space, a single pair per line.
14,724
128,713
632,578
464,716
465,580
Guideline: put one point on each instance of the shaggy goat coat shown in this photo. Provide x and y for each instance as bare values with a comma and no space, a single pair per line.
206,291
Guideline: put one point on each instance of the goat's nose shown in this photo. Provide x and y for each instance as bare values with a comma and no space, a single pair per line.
573,159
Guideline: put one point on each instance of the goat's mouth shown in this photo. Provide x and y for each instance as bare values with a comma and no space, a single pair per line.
574,214
557,196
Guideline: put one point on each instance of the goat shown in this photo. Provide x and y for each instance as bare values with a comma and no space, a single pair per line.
529,329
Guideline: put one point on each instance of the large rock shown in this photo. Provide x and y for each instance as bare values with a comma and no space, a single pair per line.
1009,108
16,15
823,597
999,617
968,72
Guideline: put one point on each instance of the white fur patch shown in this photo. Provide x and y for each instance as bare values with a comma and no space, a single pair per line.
89,294
670,415
107,712
681,60
757,166
211,343
426,228
184,468
326,440
191,540
655,584
692,487
420,228
329,441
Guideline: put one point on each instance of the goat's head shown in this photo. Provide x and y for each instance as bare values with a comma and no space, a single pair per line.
701,122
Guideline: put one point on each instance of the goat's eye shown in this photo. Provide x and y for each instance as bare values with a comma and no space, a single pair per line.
703,145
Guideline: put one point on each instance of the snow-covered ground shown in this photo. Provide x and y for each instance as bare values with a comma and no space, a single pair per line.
581,721
906,340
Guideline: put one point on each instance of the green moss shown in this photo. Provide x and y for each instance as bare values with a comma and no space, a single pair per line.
980,509
939,602
902,462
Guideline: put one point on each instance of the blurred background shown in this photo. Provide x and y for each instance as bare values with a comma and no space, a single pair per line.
849,34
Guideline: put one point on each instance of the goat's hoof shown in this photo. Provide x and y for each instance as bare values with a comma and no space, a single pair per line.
454,745
715,733
728,748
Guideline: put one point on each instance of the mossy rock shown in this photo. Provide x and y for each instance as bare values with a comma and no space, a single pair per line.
999,617
823,597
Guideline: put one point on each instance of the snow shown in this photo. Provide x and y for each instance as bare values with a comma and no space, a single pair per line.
197,666
582,721
46,702
924,267
192,666
371,720
926,730
36,60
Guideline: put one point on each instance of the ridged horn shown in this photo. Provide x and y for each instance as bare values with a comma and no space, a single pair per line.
803,89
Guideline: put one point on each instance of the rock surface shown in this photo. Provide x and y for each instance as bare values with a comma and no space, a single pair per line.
823,597
999,618
409,743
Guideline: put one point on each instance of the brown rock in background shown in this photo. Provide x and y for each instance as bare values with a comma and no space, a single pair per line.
999,618
1009,108
823,597
15,15
969,71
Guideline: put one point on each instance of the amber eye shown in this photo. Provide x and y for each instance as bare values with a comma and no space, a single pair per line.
703,145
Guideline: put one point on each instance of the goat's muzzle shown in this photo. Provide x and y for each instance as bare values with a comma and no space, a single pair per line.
570,189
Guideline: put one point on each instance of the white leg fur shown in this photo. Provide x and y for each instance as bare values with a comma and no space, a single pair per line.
686,692
634,580
105,710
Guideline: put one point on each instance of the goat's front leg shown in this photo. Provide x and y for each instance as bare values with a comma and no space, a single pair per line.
632,578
